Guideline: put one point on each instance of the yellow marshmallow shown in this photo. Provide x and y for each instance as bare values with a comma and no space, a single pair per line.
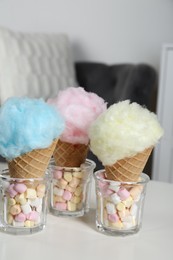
62,184
31,193
71,206
29,223
120,206
128,202
78,175
11,202
68,176
74,182
75,199
78,191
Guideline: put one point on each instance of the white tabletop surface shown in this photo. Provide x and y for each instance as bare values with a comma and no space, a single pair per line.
77,238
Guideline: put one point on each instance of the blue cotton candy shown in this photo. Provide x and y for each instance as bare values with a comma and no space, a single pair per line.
27,124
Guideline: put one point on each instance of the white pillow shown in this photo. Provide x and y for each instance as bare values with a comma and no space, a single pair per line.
34,65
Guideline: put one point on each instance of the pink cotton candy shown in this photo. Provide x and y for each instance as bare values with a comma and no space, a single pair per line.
80,109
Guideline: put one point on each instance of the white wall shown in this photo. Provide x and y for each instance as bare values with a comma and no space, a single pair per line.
110,31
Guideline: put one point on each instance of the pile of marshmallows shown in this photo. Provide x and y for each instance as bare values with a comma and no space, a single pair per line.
24,204
68,189
120,204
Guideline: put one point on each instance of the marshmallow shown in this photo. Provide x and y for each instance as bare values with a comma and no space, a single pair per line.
78,191
68,176
20,217
61,206
11,191
20,187
110,208
33,215
117,225
74,182
41,188
26,208
62,183
136,191
134,210
71,189
71,206
57,174
14,210
115,198
36,202
20,198
58,199
120,206
123,193
29,223
78,175
11,201
58,191
10,219
114,186
17,224
128,202
76,199
113,217
31,193
67,195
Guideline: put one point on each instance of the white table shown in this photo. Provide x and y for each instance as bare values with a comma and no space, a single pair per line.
77,238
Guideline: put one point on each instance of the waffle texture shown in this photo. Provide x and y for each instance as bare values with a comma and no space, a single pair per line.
128,169
32,164
70,155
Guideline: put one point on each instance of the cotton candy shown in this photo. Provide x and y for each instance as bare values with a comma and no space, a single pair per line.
79,108
27,124
122,131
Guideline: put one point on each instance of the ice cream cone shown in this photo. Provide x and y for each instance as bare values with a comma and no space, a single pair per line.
70,155
128,169
32,164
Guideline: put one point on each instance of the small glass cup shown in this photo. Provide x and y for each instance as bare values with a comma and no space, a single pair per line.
70,189
119,205
23,204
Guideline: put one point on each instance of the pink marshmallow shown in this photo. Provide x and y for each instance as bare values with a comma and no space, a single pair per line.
106,192
61,206
20,217
113,217
11,191
57,174
67,195
33,215
123,193
20,187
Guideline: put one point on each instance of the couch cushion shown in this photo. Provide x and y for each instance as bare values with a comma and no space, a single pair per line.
35,65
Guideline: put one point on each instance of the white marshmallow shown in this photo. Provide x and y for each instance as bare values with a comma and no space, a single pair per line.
18,224
36,202
58,191
134,210
115,198
110,208
26,208
113,186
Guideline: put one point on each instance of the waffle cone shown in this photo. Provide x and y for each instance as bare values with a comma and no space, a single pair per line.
128,169
70,155
32,164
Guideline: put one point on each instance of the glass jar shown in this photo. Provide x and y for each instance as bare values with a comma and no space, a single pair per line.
119,204
23,204
70,189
